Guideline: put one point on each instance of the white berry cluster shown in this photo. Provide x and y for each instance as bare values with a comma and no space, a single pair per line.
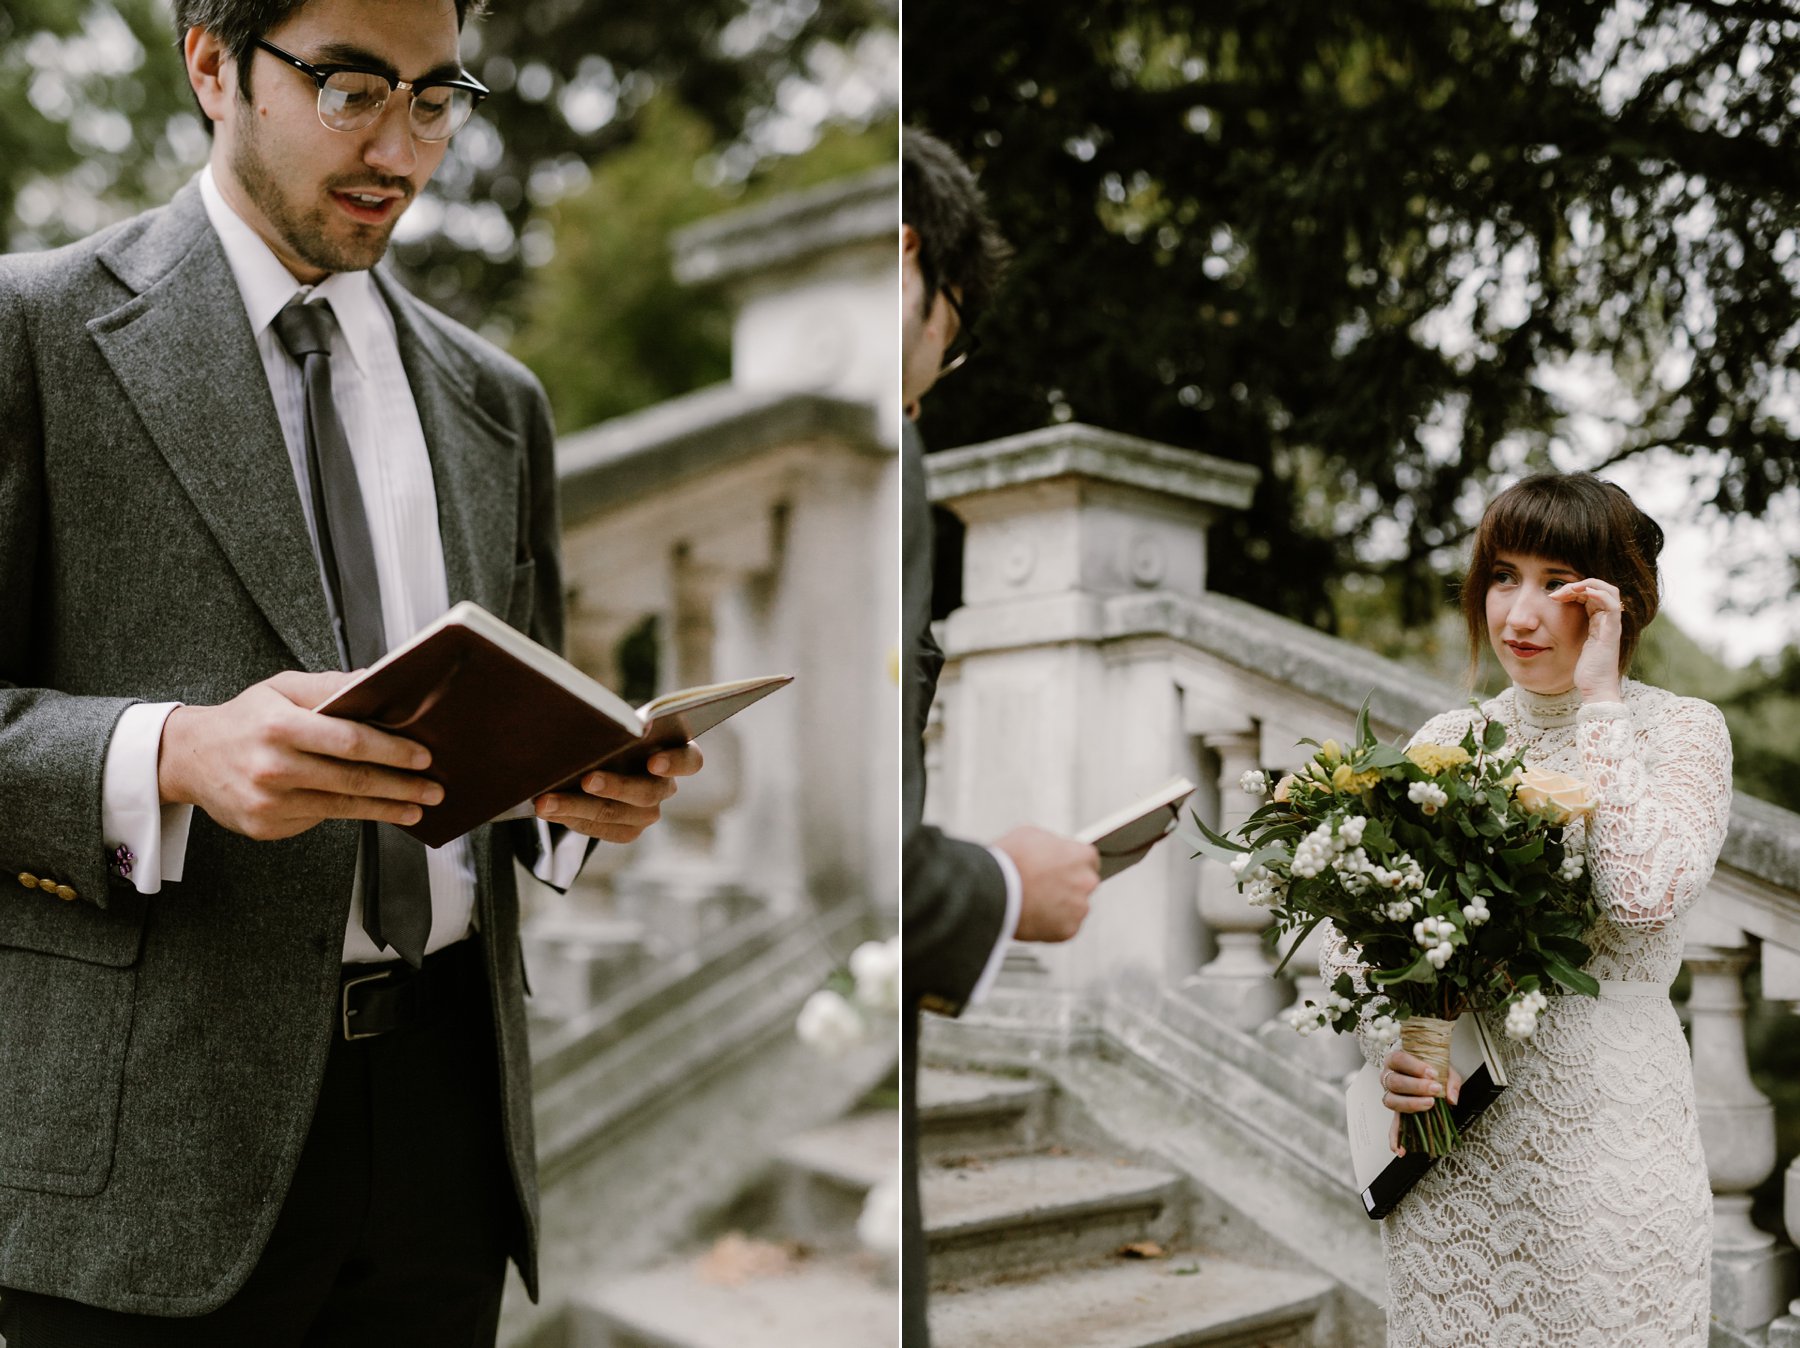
1254,783
1428,796
1571,868
1434,936
1350,832
1522,1015
1314,852
1261,887
1476,911
1304,1019
1383,1031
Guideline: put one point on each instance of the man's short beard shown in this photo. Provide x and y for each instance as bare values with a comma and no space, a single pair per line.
304,232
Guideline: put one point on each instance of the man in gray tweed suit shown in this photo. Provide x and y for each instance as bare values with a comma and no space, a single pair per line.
263,1067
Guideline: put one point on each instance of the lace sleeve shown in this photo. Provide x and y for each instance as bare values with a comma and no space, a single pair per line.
1334,959
1660,817
1446,727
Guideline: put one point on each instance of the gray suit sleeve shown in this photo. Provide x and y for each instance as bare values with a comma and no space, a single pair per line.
953,894
52,745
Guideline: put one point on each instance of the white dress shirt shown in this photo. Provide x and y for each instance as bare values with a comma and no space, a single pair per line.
1015,898
387,444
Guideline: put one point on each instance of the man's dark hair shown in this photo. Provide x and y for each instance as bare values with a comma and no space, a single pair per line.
239,24
959,247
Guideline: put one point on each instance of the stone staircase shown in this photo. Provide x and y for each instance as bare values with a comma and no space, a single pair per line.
1034,1240
799,1279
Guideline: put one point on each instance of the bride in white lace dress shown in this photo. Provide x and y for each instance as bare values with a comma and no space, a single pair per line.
1577,1210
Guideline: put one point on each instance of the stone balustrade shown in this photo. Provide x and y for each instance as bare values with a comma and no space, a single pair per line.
1089,663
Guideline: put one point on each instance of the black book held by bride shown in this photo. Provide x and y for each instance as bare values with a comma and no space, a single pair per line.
507,719
1383,1178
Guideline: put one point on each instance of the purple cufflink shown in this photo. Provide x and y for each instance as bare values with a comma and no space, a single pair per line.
122,857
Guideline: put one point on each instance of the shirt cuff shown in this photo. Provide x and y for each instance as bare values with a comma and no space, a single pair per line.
1008,925
132,813
561,852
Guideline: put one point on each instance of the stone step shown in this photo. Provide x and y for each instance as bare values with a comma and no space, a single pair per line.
825,1175
1187,1300
816,1303
980,1114
1013,1216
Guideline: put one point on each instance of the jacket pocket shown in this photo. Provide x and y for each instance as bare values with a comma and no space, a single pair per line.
68,985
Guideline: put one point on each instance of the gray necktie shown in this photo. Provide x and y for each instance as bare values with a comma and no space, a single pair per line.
396,886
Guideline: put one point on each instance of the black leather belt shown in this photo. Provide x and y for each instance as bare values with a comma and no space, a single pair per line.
377,999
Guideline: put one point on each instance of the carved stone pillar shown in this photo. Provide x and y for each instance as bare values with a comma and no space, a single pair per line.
1237,982
1781,983
1737,1129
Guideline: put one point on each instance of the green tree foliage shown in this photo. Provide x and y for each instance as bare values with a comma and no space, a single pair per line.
1352,243
605,324
96,119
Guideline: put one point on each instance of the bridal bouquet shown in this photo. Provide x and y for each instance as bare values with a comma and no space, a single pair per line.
1450,867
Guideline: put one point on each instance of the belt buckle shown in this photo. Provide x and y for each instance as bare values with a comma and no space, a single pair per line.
344,1003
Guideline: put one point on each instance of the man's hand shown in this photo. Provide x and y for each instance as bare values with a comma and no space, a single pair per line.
1056,875
266,765
616,808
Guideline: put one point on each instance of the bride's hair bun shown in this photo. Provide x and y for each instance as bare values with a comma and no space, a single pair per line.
1582,521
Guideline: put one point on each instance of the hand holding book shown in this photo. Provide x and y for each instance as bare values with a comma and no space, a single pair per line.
617,806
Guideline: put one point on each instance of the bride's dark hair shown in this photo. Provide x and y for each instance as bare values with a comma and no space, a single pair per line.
1585,523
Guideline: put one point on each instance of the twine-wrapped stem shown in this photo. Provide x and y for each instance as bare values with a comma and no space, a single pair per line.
1432,1131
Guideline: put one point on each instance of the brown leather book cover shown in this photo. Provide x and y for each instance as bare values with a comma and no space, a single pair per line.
507,719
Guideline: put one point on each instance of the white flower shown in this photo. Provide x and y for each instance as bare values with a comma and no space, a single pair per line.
1429,796
1304,1019
829,1023
1314,852
1254,783
1382,1031
879,1225
1264,890
1571,868
1397,911
1522,1015
875,965
1350,832
1439,955
1476,912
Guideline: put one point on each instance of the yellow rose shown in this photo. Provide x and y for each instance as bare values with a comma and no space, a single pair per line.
1283,787
1555,794
1342,779
1436,758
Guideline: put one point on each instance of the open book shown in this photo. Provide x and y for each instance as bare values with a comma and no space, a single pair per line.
1126,836
1383,1178
507,719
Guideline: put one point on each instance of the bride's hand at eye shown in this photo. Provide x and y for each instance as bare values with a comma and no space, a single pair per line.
1410,1086
1597,668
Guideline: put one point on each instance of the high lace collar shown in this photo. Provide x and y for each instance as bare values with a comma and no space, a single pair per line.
1545,711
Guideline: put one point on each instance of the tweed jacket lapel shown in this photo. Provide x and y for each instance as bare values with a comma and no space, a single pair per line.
183,351
475,461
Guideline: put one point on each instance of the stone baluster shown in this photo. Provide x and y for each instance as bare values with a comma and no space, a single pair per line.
1781,983
1236,983
681,886
1751,1272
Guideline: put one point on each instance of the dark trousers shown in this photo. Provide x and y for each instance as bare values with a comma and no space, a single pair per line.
396,1228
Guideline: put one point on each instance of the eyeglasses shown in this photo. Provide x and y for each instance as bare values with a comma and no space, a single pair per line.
351,97
964,344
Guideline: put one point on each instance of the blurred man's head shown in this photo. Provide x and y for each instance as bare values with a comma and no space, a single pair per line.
951,259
